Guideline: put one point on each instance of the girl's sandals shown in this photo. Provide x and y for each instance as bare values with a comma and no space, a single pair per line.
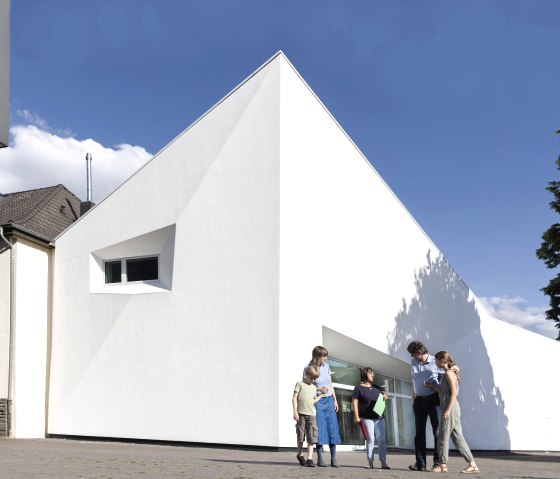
439,468
471,470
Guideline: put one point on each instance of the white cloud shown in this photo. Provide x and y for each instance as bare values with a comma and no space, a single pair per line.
515,310
31,118
38,157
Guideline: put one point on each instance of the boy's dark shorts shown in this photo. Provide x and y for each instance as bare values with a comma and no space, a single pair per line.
306,427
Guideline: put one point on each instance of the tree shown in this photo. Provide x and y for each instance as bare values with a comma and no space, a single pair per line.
549,252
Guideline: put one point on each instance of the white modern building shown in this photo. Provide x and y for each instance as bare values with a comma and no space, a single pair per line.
187,303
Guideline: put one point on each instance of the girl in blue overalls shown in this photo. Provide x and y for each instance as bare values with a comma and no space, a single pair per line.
327,407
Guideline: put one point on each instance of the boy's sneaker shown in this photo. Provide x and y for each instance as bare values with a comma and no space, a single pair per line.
301,460
309,463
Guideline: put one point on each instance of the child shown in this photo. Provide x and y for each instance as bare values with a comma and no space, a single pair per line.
303,401
450,426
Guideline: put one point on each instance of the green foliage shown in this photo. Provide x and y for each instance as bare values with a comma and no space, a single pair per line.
549,252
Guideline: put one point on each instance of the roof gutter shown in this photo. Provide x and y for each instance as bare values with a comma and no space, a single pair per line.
12,307
12,228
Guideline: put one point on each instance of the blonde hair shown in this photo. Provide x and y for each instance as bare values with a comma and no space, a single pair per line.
446,358
312,372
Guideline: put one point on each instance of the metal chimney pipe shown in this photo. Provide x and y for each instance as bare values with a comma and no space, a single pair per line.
88,170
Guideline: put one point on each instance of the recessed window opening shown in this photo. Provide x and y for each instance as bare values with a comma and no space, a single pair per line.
128,270
113,272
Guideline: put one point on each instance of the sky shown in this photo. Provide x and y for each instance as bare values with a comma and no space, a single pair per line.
455,104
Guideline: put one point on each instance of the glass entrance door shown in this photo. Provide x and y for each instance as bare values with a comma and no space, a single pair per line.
399,418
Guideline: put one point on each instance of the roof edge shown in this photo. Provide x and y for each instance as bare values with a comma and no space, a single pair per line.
13,229
278,54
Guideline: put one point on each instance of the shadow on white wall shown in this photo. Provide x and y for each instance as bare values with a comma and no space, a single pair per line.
443,315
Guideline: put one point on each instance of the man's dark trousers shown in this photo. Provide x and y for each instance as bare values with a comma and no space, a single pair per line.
424,407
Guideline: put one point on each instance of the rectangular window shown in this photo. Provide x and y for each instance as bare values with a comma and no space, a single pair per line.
344,373
141,269
113,272
131,269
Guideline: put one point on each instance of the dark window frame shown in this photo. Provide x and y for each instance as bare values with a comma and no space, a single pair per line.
151,275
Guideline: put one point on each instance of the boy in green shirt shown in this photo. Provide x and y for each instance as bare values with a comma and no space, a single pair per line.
303,401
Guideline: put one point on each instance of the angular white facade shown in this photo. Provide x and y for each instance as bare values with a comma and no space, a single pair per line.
273,234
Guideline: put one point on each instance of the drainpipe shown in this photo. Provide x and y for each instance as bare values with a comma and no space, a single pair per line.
12,311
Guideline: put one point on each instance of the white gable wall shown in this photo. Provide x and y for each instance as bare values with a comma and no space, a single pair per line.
178,365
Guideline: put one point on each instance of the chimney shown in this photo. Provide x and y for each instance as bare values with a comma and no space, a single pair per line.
85,206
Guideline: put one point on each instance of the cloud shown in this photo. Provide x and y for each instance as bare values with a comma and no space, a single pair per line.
39,157
31,118
515,310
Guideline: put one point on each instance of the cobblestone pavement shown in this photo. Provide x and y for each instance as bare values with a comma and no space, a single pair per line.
65,458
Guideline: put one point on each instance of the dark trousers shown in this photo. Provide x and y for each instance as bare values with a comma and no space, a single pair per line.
425,407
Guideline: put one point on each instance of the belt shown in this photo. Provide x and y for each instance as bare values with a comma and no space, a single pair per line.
425,397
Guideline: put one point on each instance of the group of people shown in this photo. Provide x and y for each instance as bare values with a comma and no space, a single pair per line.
435,382
435,385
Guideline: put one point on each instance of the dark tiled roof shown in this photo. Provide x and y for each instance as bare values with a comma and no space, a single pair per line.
44,211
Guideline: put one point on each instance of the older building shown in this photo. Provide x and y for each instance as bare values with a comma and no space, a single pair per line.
29,222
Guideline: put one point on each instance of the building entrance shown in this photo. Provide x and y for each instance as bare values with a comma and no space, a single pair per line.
399,417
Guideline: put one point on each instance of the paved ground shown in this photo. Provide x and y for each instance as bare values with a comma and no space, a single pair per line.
61,458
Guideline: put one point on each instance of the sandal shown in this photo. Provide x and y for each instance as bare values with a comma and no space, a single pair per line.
470,470
439,468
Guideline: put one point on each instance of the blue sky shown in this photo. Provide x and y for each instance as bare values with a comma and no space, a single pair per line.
454,103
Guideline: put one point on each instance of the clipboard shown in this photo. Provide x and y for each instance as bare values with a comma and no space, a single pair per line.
379,406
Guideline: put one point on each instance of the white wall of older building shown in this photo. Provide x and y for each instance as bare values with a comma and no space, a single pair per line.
4,320
33,291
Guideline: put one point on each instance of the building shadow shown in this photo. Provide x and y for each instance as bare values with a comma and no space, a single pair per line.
444,316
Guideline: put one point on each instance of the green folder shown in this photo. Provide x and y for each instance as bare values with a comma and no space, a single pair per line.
379,407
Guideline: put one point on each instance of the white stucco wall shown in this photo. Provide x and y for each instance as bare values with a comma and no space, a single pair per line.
4,320
192,363
31,340
525,369
348,249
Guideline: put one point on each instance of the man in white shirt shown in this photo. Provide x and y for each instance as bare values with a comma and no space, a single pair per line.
425,401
